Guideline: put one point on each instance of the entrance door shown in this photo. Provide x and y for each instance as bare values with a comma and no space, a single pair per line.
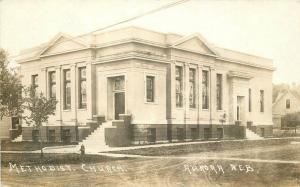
119,104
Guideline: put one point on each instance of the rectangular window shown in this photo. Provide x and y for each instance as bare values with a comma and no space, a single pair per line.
150,88
250,100
82,87
66,136
180,134
51,135
35,135
151,135
288,104
34,81
178,76
119,83
192,96
194,133
262,100
67,89
219,92
52,85
205,89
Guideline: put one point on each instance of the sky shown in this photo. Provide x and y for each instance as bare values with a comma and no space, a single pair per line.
268,28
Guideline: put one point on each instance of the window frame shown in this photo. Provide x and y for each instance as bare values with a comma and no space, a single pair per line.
179,79
81,79
51,83
249,100
205,86
288,104
192,81
262,100
219,94
152,90
66,106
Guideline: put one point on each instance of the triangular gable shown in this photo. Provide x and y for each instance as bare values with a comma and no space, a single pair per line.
61,43
195,42
284,94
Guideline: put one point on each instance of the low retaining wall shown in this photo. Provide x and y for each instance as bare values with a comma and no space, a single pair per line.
181,132
27,133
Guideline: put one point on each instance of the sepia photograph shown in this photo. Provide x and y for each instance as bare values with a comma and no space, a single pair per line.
153,93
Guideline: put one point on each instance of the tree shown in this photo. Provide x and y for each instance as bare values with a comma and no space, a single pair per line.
10,89
39,109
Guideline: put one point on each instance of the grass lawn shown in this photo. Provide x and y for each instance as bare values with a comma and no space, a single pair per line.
51,158
171,171
26,146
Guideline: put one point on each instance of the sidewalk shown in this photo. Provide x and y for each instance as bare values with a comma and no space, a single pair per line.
75,148
106,150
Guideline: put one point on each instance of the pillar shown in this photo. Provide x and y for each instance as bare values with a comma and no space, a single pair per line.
74,93
59,94
89,91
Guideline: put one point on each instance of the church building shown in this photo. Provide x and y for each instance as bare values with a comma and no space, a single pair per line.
142,86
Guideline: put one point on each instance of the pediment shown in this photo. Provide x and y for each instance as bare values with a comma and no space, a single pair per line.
60,44
195,43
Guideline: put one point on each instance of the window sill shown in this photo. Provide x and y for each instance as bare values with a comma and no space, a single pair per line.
66,110
193,109
206,110
151,103
81,109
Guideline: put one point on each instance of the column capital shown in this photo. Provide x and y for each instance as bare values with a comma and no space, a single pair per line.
57,67
44,69
73,65
173,61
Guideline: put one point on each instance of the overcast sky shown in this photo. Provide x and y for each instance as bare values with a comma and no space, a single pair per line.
267,28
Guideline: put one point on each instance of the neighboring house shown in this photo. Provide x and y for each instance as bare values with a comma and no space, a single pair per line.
9,128
285,103
170,87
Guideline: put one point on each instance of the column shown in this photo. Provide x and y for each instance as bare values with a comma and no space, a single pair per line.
199,92
213,95
59,94
74,93
186,91
89,91
172,99
43,83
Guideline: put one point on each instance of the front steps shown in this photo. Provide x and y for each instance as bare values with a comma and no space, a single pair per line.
95,142
18,139
250,135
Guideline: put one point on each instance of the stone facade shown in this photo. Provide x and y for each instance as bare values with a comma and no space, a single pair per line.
118,65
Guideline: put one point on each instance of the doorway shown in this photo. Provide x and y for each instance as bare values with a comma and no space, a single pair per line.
116,97
240,110
119,104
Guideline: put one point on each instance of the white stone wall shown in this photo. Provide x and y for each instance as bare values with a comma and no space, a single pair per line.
150,54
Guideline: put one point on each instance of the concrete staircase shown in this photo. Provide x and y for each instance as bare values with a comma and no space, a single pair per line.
250,135
95,142
18,139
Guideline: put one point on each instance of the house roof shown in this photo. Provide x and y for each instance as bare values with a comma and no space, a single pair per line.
282,94
132,32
